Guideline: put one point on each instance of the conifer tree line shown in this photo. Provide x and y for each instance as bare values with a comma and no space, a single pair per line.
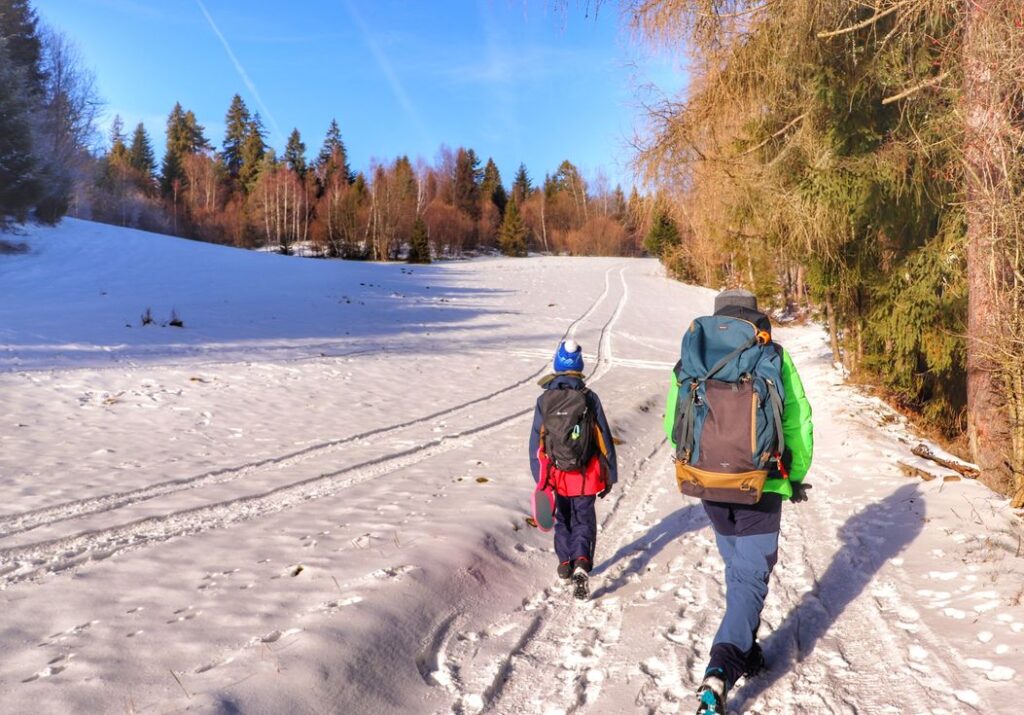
864,160
48,111
246,195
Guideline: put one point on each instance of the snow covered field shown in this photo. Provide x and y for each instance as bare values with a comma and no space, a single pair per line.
311,499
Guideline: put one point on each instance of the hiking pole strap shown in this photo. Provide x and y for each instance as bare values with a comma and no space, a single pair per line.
728,358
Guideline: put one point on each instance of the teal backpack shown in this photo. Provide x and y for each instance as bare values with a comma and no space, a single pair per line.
728,422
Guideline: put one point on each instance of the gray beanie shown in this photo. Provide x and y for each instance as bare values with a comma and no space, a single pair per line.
735,296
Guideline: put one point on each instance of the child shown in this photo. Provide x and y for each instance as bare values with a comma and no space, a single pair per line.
571,448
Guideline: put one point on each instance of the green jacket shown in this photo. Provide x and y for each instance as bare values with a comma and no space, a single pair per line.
796,427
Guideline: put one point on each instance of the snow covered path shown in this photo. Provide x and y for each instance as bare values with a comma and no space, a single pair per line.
312,499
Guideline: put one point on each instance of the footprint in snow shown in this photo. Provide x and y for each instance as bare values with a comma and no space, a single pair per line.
274,636
917,654
992,672
336,605
74,631
292,571
184,614
394,572
681,633
210,666
46,672
654,668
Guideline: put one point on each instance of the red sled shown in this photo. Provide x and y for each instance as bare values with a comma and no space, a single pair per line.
544,506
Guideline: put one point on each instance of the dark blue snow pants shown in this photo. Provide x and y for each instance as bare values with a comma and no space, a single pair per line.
575,527
748,540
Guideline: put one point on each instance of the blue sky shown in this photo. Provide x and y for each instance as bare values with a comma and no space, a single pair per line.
513,79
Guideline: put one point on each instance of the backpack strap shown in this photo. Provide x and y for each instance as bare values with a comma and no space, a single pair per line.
773,394
728,358
682,427
682,434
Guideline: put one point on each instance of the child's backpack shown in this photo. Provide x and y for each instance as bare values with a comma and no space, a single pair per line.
728,423
568,424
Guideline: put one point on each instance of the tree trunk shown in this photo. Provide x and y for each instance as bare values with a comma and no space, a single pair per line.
1016,400
543,223
986,119
833,330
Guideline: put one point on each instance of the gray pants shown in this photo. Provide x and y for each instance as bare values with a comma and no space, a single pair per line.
748,540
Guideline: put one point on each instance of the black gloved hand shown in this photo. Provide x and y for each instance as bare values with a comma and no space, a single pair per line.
607,490
799,491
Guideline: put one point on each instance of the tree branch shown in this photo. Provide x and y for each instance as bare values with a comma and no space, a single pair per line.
916,88
879,14
782,131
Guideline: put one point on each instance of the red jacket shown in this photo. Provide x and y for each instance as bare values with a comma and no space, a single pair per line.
592,480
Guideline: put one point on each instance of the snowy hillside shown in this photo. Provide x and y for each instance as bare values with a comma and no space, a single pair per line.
311,498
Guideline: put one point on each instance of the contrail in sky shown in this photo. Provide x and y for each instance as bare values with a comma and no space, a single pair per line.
241,71
389,72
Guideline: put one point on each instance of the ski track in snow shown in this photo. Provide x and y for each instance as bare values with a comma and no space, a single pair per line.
18,523
26,562
888,598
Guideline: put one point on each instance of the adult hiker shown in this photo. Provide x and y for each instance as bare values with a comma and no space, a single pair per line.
572,450
740,425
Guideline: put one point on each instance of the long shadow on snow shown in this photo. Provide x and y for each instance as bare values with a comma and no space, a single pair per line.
871,537
641,551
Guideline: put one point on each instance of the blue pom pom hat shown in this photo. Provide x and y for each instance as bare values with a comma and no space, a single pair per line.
568,357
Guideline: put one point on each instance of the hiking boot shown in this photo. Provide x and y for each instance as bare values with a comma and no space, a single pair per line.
711,694
565,570
583,563
581,582
755,663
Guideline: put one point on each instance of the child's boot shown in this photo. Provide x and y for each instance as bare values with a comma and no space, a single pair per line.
581,580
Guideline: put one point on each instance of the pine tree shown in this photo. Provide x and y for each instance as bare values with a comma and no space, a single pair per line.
237,124
19,184
333,156
192,138
252,151
466,185
170,169
512,237
491,188
521,185
619,207
118,148
662,235
184,136
19,27
140,154
419,242
295,153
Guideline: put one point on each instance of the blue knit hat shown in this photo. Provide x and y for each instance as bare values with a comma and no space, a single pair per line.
569,357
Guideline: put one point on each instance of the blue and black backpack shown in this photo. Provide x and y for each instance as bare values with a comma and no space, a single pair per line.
728,422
